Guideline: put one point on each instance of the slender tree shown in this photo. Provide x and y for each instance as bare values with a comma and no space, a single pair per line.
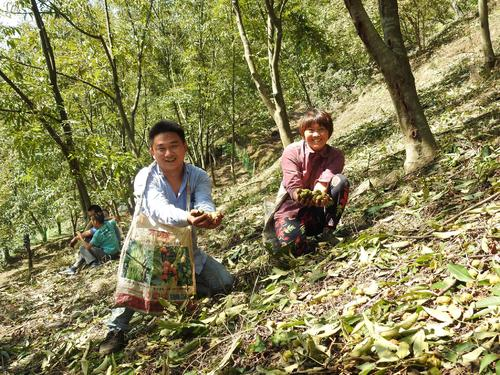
63,139
391,58
273,100
489,55
107,42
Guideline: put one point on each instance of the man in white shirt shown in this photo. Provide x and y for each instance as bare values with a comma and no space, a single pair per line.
165,202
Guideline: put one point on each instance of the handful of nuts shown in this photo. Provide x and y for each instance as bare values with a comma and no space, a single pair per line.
216,215
313,197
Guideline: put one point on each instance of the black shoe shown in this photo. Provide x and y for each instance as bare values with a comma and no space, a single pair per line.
114,342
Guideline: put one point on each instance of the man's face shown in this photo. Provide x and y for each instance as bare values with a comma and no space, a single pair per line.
168,150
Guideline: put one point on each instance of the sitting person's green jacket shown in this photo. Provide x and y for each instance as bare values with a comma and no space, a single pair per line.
105,238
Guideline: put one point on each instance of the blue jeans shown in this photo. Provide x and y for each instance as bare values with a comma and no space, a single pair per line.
213,279
88,256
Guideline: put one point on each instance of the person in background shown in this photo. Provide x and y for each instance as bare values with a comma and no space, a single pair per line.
87,232
308,164
90,230
103,246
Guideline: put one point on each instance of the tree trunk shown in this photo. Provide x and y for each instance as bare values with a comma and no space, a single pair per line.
6,256
74,220
66,141
391,57
27,247
59,227
459,13
233,113
83,194
275,36
304,87
489,55
274,102
212,166
116,211
40,228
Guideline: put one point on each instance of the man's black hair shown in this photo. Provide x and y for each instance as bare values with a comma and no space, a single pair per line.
99,217
94,207
164,126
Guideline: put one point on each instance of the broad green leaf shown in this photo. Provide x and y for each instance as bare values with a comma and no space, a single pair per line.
488,301
459,272
323,331
289,324
386,355
105,364
472,356
85,366
439,315
419,344
374,209
403,350
455,311
281,338
382,343
277,273
235,310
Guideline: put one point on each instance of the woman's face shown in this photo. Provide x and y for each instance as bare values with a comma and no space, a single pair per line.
316,136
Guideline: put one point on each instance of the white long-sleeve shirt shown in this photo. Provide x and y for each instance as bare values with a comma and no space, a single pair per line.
161,205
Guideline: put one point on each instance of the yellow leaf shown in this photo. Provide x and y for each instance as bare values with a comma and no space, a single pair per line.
445,235
439,315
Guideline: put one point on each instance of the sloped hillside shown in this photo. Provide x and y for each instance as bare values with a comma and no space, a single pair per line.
410,285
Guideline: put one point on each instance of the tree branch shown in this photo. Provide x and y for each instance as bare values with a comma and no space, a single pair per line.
70,21
367,32
261,88
34,111
73,78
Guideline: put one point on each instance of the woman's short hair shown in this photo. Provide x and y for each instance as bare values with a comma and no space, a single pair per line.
315,116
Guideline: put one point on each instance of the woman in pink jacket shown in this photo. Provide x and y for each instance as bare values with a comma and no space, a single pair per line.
308,164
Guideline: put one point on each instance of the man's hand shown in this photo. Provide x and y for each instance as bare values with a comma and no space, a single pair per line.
73,241
201,219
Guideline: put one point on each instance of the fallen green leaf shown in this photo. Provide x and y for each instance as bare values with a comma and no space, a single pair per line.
446,235
488,301
472,356
439,315
459,272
